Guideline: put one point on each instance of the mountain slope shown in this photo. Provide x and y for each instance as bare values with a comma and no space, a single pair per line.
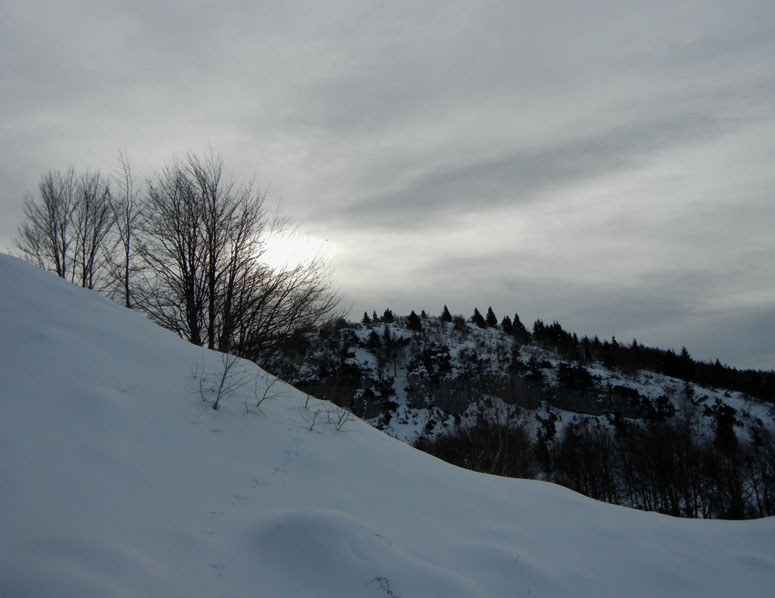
117,479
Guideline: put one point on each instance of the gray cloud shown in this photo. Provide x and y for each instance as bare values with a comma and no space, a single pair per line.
529,174
606,164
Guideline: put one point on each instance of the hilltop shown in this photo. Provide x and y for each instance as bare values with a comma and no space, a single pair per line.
628,424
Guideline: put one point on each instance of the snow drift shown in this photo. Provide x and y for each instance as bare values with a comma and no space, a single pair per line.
117,479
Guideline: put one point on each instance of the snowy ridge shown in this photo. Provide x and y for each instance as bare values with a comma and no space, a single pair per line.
117,479
473,354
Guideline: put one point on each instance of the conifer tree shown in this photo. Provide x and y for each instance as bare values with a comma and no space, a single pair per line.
390,349
478,319
388,316
686,365
366,318
519,331
538,330
413,322
445,315
506,325
373,341
491,320
586,345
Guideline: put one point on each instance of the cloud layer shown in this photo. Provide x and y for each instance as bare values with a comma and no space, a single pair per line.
603,164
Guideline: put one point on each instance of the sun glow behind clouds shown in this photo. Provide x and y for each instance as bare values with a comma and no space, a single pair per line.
289,250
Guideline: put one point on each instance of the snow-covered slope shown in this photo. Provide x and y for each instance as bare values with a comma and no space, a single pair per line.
116,479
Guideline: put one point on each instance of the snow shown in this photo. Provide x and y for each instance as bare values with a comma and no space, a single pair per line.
116,479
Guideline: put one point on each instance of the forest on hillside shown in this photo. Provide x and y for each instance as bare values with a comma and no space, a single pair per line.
676,445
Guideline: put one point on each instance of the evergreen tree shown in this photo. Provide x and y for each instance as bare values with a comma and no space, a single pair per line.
373,341
366,318
459,322
413,322
519,331
670,365
492,320
539,329
478,319
374,317
506,325
587,347
390,349
686,365
445,315
388,316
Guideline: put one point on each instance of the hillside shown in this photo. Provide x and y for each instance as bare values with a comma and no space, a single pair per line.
547,405
117,478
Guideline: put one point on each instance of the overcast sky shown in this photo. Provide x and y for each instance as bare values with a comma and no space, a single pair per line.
607,164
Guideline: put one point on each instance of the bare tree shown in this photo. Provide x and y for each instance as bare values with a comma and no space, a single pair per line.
203,236
91,222
44,236
275,302
65,228
173,290
126,216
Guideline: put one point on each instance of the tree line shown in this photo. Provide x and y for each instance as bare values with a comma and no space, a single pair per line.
184,246
625,357
671,467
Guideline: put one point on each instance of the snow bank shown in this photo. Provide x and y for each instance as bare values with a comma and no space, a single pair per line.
116,479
